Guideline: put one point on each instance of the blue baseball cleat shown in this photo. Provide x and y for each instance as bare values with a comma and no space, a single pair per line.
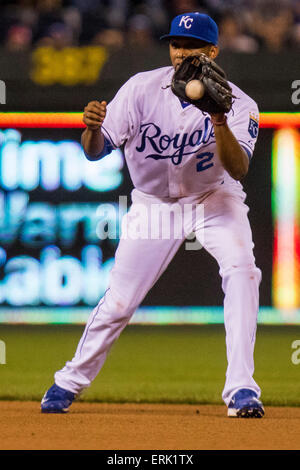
57,400
245,404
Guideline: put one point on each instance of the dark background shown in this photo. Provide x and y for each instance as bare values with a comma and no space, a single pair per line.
266,77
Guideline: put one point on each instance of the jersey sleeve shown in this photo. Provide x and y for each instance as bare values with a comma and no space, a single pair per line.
121,117
243,122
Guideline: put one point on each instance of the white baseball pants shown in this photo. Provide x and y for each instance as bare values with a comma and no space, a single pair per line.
224,231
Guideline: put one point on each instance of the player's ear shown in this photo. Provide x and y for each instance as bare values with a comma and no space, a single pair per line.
214,52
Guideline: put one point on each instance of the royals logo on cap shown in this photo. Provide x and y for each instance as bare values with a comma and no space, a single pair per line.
186,21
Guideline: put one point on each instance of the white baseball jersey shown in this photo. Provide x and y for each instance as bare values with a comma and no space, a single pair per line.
170,147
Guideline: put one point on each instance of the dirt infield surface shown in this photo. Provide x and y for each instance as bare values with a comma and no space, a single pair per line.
142,427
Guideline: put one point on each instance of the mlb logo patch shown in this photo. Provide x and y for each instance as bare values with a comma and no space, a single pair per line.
253,126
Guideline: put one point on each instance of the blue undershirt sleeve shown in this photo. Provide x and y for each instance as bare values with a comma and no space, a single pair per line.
107,149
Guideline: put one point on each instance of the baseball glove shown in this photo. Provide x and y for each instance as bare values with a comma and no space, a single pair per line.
217,96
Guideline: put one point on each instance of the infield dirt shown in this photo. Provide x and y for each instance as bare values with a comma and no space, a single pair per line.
145,427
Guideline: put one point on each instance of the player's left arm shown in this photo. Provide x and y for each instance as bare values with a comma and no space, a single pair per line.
232,155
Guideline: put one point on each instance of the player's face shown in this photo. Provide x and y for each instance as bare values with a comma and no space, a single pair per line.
183,47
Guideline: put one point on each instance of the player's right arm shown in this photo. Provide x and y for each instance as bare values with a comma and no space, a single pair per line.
92,138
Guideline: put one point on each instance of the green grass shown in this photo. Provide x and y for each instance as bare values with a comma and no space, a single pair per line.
174,364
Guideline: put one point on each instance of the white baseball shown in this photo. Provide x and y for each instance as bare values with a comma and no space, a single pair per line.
194,89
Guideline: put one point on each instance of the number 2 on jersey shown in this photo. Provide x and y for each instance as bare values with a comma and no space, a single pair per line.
204,159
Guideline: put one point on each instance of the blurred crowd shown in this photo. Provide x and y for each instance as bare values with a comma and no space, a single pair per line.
245,25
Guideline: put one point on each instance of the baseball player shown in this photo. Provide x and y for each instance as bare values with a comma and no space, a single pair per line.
189,152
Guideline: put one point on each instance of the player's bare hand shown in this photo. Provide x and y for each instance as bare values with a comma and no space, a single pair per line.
94,114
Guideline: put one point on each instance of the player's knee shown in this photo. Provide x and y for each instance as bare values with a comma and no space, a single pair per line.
248,267
240,258
123,309
116,309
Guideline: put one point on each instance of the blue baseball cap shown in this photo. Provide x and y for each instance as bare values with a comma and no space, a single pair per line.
194,25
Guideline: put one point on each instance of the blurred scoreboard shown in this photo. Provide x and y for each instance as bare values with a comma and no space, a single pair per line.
59,218
60,214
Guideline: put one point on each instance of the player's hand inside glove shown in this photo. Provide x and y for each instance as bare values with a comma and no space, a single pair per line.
217,97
